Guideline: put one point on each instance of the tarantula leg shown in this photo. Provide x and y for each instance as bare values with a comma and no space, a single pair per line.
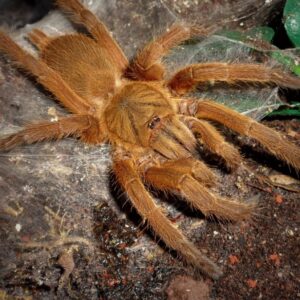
97,29
147,66
39,39
76,125
195,168
187,78
214,141
169,177
45,75
269,138
130,180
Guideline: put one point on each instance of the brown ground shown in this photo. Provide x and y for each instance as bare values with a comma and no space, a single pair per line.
66,233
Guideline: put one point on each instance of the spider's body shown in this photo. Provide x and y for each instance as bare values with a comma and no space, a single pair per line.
142,117
152,128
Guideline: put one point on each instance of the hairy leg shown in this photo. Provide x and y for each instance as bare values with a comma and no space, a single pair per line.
170,177
130,180
186,79
191,166
214,141
39,39
76,125
147,65
45,75
269,138
97,29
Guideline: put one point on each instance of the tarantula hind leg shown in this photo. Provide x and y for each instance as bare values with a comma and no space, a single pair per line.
169,177
78,125
130,180
269,138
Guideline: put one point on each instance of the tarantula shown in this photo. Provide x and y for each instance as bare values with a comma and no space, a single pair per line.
151,127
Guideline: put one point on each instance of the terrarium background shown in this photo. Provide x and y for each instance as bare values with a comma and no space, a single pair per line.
51,189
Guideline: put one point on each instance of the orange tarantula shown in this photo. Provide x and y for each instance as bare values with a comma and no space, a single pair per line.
144,116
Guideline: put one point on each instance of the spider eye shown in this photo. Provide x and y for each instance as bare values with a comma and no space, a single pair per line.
154,121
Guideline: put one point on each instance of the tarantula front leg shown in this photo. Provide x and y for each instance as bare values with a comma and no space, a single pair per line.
269,138
84,126
187,78
147,65
214,141
130,180
97,29
179,177
50,79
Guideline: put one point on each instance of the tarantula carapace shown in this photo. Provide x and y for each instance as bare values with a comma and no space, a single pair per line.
151,127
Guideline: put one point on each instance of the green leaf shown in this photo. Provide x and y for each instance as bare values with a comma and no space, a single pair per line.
286,60
296,70
232,34
286,112
290,7
262,33
291,15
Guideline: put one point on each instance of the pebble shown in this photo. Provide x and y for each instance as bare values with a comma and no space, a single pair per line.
18,227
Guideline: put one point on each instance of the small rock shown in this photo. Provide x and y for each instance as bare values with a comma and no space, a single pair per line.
18,227
185,287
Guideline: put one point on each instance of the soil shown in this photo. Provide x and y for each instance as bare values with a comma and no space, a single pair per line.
68,232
